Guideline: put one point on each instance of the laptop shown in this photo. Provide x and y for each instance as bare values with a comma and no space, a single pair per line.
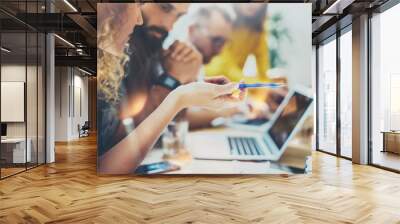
267,143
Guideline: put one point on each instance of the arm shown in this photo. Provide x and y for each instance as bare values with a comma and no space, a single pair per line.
183,63
201,118
129,152
126,155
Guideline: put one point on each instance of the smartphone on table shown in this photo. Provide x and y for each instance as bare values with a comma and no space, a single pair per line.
159,167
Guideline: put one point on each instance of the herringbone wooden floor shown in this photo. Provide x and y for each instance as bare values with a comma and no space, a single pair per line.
69,191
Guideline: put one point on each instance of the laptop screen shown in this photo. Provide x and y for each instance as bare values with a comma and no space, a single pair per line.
289,118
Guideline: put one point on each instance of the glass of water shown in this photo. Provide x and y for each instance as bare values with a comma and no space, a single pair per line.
174,137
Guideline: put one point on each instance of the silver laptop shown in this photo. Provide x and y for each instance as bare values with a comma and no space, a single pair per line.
266,143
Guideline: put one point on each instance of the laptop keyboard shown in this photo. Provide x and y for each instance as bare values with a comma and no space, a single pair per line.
244,146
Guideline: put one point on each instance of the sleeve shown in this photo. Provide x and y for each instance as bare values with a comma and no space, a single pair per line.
224,65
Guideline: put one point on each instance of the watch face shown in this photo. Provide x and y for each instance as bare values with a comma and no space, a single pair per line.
169,82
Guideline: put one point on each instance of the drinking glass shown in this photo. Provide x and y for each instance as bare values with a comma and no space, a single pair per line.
174,137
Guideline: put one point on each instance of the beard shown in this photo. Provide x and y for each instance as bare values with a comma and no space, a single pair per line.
144,53
143,36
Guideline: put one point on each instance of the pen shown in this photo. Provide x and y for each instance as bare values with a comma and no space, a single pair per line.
261,85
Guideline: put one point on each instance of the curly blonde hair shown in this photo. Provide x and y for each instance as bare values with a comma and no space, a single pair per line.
110,68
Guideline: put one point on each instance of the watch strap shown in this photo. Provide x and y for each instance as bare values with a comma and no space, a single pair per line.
167,81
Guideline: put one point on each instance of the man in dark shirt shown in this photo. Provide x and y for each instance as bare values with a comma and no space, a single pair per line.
153,72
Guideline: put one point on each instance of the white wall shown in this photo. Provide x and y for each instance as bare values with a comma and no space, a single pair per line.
33,127
79,117
71,93
10,73
16,73
297,52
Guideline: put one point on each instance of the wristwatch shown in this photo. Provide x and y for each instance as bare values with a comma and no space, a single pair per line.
165,79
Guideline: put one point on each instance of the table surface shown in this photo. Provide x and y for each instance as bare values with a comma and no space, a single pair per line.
292,161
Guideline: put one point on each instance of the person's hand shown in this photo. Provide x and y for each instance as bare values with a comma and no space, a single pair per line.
182,62
209,95
257,110
219,80
182,52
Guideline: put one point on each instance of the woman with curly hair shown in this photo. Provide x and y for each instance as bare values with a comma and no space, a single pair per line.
121,146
